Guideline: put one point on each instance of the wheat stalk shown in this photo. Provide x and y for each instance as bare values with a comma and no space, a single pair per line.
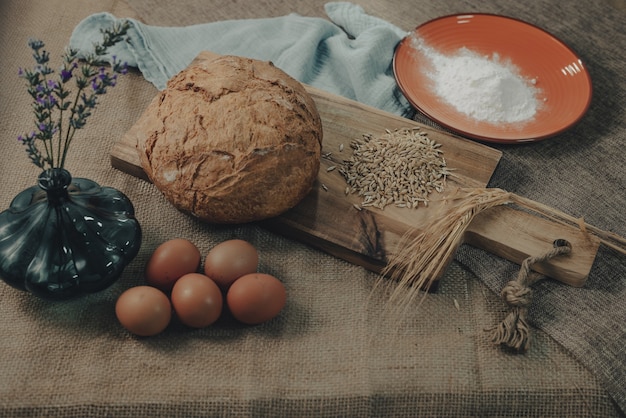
421,258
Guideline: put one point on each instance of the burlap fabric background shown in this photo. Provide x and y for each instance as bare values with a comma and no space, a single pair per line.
332,352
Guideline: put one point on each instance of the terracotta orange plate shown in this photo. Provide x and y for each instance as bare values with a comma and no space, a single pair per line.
562,81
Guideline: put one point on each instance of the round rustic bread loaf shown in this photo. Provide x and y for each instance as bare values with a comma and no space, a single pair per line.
232,140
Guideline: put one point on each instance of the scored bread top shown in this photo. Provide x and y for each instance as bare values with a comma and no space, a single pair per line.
232,140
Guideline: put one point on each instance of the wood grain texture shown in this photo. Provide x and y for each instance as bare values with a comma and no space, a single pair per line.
328,220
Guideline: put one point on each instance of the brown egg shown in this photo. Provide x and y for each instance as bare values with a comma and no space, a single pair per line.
256,298
229,260
170,261
143,310
197,300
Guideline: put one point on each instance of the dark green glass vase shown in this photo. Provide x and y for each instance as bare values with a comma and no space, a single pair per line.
66,237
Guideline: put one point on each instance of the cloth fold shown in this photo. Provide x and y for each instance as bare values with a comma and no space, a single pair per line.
350,55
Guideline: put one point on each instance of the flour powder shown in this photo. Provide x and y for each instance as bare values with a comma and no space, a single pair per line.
484,88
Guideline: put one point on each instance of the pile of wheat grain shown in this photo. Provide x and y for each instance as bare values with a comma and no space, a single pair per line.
401,167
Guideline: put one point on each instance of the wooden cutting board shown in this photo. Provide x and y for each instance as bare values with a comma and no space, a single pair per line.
327,218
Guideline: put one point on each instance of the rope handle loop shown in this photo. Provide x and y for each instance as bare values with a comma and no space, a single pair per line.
514,332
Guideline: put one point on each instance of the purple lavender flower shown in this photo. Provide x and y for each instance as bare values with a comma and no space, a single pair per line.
65,75
57,117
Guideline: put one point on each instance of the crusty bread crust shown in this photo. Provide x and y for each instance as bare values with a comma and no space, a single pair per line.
232,140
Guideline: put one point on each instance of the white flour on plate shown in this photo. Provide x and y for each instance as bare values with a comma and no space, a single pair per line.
484,88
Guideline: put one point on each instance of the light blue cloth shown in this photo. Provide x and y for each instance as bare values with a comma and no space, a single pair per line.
351,55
